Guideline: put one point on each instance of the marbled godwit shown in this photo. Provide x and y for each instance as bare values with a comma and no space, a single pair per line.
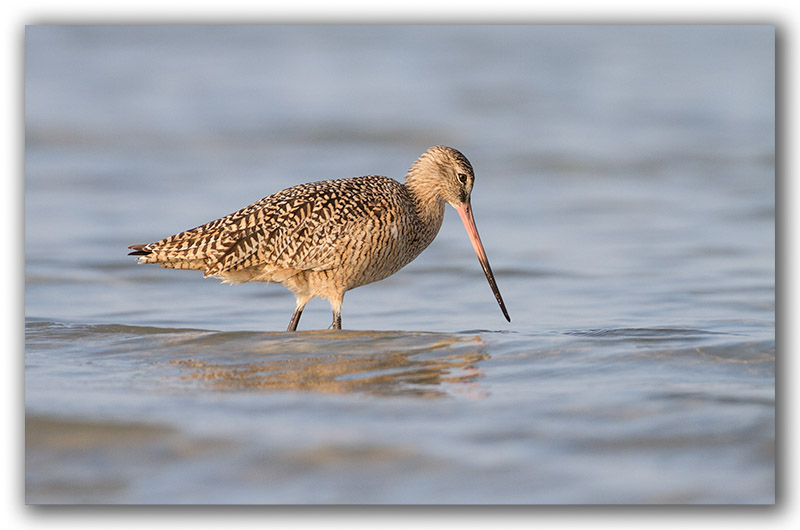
324,238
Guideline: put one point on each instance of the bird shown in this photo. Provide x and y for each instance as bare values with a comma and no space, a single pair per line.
325,238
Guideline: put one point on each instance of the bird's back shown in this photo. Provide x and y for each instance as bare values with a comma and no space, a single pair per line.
365,226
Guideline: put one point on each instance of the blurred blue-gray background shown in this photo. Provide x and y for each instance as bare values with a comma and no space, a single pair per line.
625,181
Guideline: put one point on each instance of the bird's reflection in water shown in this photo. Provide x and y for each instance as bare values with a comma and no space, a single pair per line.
430,366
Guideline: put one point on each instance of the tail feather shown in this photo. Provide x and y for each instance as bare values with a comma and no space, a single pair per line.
173,253
138,250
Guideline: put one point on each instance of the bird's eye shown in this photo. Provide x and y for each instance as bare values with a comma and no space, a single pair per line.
462,178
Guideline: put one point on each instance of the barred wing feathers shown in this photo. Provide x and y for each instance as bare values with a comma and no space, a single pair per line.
300,228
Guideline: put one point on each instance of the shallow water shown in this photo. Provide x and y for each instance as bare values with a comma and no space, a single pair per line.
625,195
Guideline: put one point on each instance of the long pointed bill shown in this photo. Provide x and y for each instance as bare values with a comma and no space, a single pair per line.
465,211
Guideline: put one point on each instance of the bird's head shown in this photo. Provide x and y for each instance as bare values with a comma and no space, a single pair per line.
444,174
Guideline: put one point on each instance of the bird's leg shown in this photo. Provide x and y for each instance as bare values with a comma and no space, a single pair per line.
336,305
298,311
295,319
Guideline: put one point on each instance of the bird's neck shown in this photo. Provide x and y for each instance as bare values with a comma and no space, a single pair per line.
424,190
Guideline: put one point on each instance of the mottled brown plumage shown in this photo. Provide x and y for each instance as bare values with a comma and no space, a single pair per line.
324,238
